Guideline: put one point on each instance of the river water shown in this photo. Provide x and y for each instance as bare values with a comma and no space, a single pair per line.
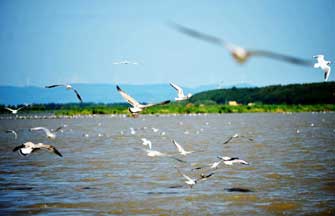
104,170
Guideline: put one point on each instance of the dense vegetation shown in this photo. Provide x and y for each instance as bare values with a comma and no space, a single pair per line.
313,93
290,98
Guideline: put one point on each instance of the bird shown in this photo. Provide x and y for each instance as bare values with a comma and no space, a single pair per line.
68,87
14,111
154,153
230,138
240,54
236,136
323,64
13,132
49,134
180,93
180,149
146,142
29,147
211,165
155,130
190,181
132,131
125,62
231,160
136,106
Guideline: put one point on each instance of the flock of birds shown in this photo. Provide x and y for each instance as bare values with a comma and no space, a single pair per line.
240,54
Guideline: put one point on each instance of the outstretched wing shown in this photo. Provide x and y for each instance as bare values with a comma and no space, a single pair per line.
18,147
228,140
185,176
7,108
53,86
160,103
128,98
282,57
13,132
178,88
46,130
50,148
327,73
180,149
78,95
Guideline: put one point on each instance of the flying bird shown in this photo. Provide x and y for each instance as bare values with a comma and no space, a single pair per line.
236,136
146,142
180,149
13,132
191,181
240,54
14,111
68,87
231,160
323,64
136,106
29,147
49,134
180,93
211,165
125,62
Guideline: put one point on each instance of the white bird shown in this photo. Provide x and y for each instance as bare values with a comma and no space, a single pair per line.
240,54
125,62
180,149
146,142
211,165
230,138
13,132
155,130
323,64
136,106
49,134
189,181
180,93
14,111
132,131
230,161
68,87
29,147
154,153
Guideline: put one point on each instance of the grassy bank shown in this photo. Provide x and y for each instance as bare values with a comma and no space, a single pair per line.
200,108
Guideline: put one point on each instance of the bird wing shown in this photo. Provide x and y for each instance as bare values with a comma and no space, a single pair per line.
57,129
53,86
49,148
185,176
78,95
228,140
327,73
179,89
18,147
21,108
198,35
7,108
205,177
13,132
46,130
160,103
180,149
128,98
282,57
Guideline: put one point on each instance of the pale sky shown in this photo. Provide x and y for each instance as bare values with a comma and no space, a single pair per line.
46,42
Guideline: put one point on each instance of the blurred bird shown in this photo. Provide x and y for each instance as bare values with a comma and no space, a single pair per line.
68,87
232,160
189,181
180,149
240,54
125,62
14,111
49,134
323,64
180,93
136,106
29,147
13,132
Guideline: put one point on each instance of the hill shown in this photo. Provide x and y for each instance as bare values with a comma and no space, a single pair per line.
312,93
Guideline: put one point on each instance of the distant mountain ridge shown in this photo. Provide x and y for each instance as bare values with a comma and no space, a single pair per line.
96,93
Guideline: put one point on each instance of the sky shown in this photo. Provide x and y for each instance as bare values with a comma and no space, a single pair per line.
50,42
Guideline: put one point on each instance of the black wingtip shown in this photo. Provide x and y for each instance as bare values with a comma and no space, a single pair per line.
17,148
166,102
118,88
57,152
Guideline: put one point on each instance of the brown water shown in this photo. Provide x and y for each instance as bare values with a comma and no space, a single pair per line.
290,172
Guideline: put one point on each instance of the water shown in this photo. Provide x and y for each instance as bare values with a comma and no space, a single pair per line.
291,167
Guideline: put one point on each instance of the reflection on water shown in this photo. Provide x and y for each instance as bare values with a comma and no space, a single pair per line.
103,170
